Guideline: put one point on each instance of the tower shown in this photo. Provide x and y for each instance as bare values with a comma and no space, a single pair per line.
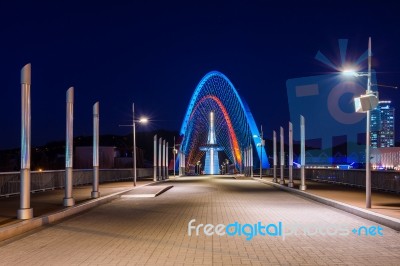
386,137
211,166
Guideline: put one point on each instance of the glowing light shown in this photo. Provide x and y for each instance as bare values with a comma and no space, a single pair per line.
350,72
234,125
232,133
143,120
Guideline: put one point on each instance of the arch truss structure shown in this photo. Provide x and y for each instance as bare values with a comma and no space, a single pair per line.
235,128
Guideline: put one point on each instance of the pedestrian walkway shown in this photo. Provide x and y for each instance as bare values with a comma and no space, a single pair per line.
385,203
52,200
155,231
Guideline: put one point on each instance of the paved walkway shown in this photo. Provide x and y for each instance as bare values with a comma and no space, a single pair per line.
52,200
385,203
154,231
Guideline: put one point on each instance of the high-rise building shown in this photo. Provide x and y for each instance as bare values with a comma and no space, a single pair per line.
387,133
382,125
375,126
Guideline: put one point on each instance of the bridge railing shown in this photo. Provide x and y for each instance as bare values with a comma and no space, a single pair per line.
45,180
380,180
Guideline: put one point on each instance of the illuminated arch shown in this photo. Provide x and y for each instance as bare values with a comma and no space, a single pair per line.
234,124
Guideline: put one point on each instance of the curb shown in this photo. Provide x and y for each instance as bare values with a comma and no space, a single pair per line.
12,230
366,214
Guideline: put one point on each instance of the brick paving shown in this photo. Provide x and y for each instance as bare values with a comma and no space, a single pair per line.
154,231
385,203
52,200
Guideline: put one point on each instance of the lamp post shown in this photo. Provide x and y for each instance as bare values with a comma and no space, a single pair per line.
141,120
367,103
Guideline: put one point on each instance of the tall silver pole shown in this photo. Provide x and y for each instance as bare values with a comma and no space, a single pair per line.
68,199
302,153
368,140
183,163
290,184
275,156
245,161
155,159
134,145
282,181
25,211
261,147
163,160
247,170
95,190
159,159
166,159
180,163
251,161
174,151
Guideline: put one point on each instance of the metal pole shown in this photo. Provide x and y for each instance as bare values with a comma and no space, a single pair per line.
245,161
251,161
282,181
166,161
261,145
155,159
180,163
302,153
163,160
95,191
159,159
368,140
25,211
290,184
68,199
134,145
275,156
174,150
184,164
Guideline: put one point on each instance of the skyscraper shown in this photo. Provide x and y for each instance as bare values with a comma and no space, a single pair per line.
386,136
382,125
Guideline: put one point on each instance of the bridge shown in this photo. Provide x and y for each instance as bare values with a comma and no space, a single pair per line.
235,127
205,219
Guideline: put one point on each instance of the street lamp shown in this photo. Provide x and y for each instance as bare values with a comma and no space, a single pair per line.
142,120
261,144
366,103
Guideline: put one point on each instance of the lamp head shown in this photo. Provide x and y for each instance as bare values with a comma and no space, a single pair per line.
350,73
143,120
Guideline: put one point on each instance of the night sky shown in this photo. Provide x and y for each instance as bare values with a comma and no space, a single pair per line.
154,53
